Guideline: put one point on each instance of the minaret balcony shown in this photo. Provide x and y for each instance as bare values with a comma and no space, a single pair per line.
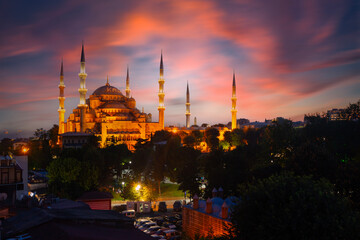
82,74
82,105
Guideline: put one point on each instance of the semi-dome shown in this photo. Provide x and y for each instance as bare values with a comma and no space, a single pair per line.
107,90
113,105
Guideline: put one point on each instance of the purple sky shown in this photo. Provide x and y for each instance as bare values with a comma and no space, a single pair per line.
290,57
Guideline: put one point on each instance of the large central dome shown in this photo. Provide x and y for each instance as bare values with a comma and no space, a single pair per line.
107,90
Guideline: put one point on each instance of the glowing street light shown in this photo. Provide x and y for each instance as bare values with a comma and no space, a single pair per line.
25,150
137,187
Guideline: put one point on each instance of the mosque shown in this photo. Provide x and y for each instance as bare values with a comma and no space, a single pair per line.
110,115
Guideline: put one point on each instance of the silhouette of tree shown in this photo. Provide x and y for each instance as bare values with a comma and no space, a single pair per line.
293,207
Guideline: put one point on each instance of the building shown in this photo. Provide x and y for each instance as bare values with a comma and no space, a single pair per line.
107,113
97,200
207,218
75,139
13,179
19,144
71,221
242,121
336,114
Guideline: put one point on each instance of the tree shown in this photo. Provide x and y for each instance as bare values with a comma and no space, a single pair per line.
116,159
237,137
293,207
63,175
211,138
5,146
198,136
189,141
352,112
52,135
278,141
69,177
129,192
188,174
161,136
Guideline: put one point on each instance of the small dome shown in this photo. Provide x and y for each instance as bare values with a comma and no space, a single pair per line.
107,90
217,201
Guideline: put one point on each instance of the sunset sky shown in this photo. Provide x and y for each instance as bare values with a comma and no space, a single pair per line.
290,57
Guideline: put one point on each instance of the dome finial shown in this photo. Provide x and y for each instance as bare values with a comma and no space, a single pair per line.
107,80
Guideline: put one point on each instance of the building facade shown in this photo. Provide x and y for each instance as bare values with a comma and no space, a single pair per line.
109,114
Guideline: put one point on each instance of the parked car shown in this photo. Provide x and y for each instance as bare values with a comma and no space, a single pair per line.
160,221
172,219
162,207
129,213
171,233
161,231
146,226
152,229
178,224
169,225
141,222
177,206
159,237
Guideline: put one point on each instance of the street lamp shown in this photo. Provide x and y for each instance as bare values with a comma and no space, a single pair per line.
138,187
25,150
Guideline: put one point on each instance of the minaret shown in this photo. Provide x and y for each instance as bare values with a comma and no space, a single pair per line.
127,90
233,100
61,109
195,121
187,106
161,94
82,90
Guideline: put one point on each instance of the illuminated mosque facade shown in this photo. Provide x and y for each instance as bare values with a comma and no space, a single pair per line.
112,116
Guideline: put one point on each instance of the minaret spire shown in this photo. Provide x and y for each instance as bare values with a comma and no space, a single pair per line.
187,113
62,68
161,62
82,90
161,94
82,53
107,80
233,101
61,109
127,90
